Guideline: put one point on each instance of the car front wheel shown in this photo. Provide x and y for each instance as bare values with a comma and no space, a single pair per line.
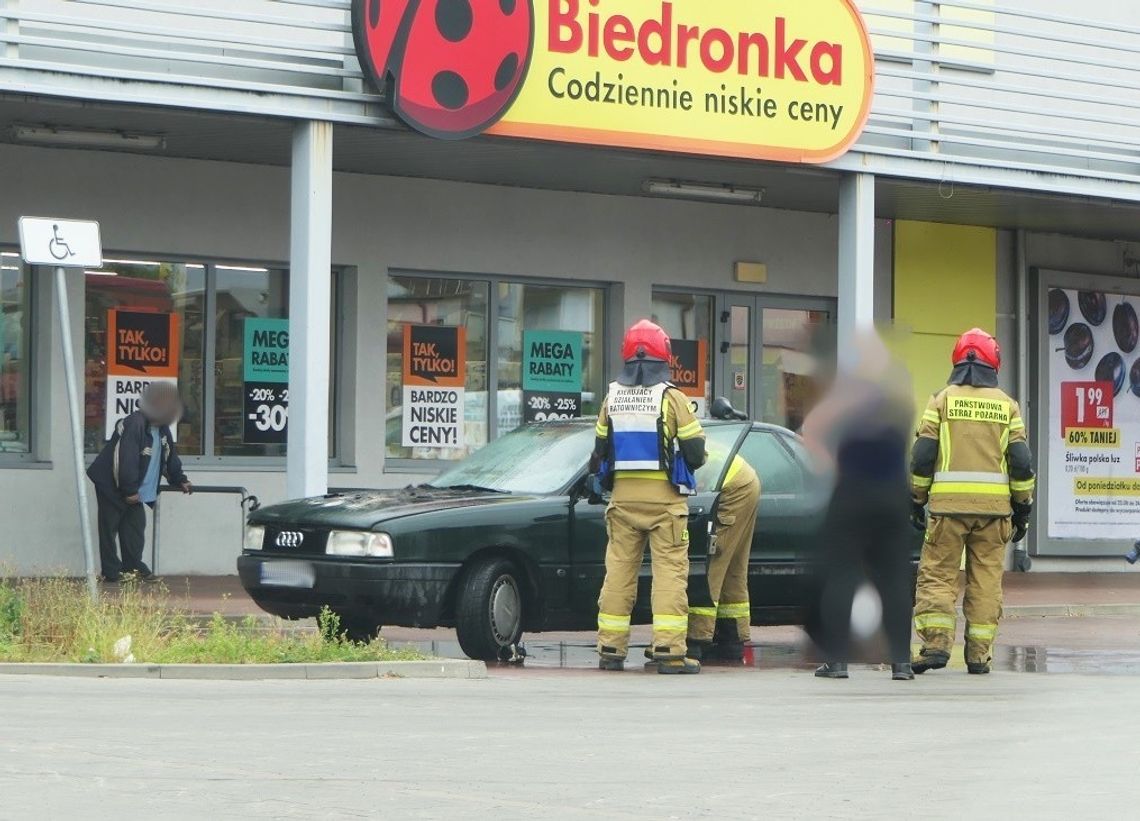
489,613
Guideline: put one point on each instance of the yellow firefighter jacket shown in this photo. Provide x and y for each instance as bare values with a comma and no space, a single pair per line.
971,457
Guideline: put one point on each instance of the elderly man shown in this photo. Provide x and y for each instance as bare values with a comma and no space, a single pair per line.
127,473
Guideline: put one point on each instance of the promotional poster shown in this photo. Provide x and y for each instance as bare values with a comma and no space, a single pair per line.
435,372
1094,415
142,347
266,382
552,375
688,368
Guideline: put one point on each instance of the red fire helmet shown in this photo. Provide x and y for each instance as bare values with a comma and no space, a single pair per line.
978,346
646,340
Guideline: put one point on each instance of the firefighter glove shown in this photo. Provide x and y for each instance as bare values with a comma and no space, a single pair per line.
918,517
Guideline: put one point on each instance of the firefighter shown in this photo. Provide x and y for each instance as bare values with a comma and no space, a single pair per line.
972,464
721,626
648,445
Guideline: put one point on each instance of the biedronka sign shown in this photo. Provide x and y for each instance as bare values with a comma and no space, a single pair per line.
758,79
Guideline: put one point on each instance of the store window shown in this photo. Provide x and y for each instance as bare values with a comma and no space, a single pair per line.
789,388
688,319
430,316
207,308
15,351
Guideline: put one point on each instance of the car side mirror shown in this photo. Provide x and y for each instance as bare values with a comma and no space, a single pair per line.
722,409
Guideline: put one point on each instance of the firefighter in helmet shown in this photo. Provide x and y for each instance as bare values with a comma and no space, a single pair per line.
972,465
648,445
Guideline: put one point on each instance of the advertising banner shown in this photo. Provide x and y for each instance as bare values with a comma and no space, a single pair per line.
435,372
689,371
552,375
1094,415
142,347
766,79
265,377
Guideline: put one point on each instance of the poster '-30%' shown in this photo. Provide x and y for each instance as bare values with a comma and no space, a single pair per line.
1094,415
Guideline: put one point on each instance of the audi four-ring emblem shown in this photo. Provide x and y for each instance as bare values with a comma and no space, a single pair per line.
290,538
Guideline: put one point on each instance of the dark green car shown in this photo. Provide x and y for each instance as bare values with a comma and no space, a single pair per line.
509,540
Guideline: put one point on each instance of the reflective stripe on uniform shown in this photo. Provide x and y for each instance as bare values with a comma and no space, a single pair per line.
670,622
932,416
944,444
616,624
690,431
981,632
1020,486
707,612
921,481
1017,424
933,621
734,610
601,431
968,489
972,476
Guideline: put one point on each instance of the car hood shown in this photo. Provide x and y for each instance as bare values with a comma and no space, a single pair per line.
364,509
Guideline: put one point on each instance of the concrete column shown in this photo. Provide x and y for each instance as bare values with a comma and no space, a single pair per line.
856,259
310,295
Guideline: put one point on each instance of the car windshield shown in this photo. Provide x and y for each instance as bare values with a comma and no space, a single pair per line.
535,459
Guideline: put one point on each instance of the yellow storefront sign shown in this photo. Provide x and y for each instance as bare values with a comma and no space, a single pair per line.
1106,487
760,79
1092,437
962,409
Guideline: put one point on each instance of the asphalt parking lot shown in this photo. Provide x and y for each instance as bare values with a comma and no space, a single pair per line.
563,744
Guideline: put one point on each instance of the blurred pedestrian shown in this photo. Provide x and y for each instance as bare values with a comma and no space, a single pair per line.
648,446
859,433
972,464
127,474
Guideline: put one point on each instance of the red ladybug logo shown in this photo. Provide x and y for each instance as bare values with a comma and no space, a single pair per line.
450,68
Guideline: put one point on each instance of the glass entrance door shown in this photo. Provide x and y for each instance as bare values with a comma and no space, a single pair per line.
756,349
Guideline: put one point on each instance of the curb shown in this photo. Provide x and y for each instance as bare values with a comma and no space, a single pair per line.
438,668
1071,610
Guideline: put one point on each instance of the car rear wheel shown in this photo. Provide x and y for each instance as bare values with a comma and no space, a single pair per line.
489,613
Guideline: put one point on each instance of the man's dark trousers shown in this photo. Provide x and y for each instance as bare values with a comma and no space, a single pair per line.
126,524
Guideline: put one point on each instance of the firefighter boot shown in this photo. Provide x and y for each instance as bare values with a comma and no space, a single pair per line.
978,668
929,660
833,669
673,667
611,663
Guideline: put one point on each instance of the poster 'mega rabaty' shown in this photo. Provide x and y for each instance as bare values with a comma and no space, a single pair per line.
1094,415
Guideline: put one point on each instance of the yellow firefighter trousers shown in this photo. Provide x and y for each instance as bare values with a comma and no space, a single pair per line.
728,567
985,539
666,528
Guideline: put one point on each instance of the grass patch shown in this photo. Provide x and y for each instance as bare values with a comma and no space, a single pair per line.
54,620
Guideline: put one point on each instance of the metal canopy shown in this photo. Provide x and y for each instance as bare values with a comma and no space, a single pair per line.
362,150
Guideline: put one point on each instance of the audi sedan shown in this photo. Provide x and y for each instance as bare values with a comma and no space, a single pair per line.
511,540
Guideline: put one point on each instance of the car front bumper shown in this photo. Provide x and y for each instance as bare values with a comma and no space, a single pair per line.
388,593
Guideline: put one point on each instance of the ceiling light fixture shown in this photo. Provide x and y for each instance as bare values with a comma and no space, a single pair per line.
710,191
87,138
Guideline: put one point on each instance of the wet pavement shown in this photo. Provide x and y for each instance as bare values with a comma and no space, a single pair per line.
1106,645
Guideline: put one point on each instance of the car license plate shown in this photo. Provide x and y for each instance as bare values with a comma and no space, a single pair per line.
288,574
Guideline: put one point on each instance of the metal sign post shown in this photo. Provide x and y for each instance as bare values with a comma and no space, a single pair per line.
64,244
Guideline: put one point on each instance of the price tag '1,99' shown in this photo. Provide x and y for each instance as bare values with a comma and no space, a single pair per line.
1086,405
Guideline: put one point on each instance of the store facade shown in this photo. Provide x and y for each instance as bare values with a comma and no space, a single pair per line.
272,194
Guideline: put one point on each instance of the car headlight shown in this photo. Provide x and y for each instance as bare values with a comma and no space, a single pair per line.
254,537
359,543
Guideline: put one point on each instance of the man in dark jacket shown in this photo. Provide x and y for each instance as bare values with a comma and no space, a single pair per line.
127,474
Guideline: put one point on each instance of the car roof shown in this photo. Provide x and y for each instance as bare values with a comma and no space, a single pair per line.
589,421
